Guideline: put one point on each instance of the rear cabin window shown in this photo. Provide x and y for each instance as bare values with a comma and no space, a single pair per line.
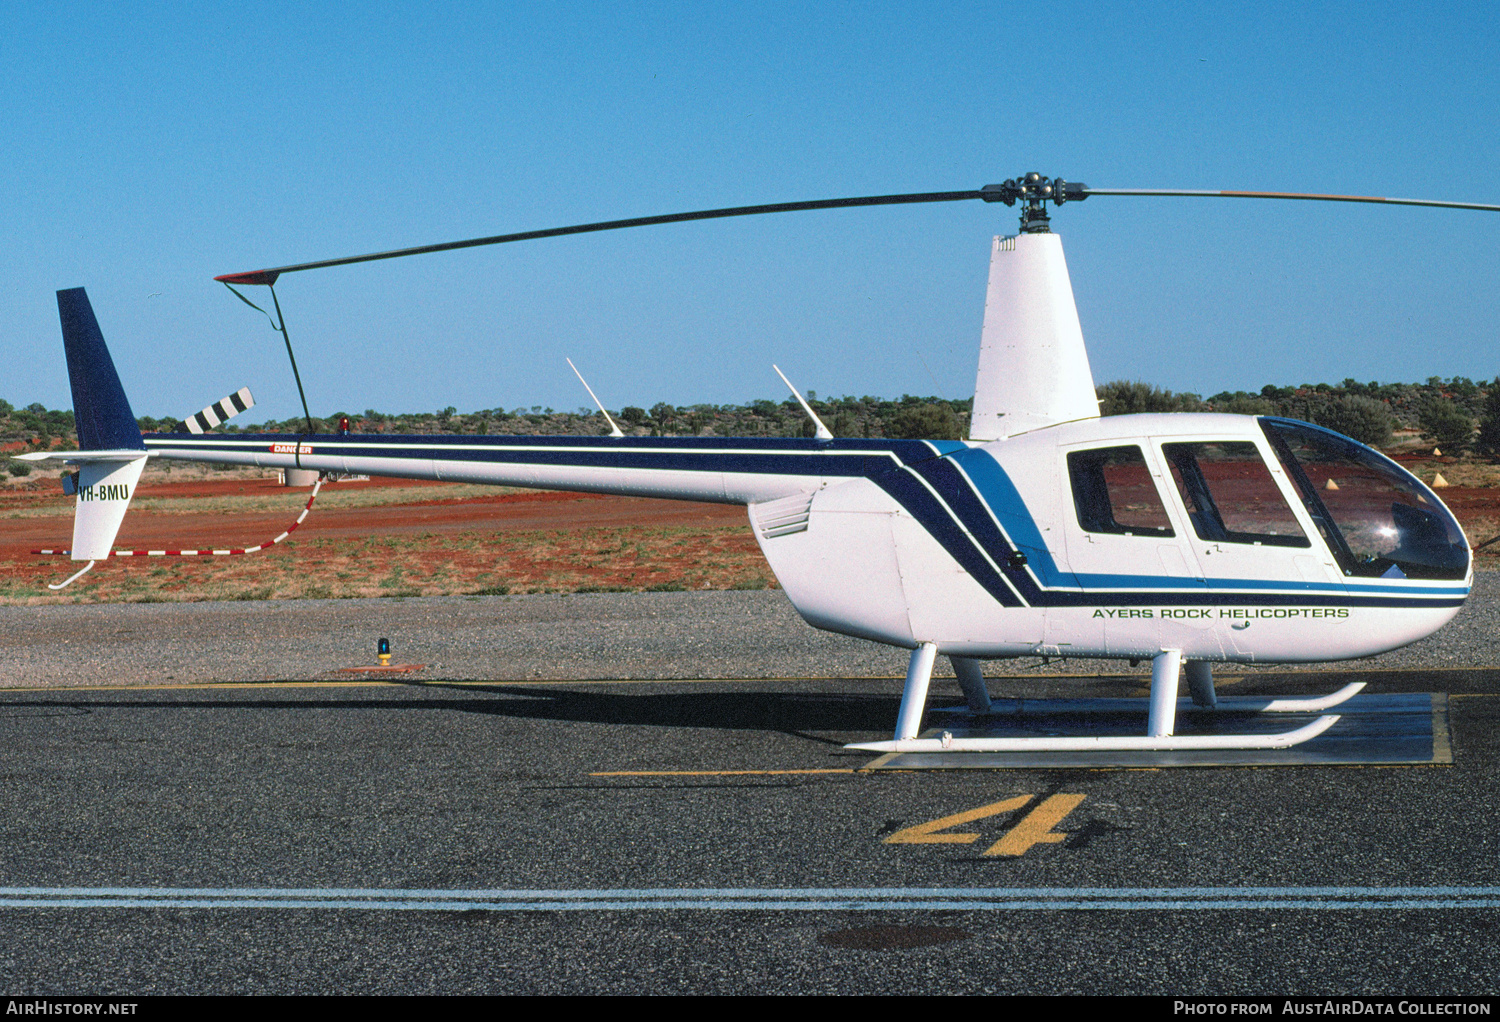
1113,492
1230,495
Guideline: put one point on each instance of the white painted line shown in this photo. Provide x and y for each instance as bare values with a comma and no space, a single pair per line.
835,899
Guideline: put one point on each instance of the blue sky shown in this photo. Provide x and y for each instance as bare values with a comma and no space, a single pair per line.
148,148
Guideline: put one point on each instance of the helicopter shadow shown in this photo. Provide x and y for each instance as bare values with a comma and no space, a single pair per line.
724,711
763,710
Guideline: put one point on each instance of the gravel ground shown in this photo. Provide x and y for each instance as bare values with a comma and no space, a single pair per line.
578,636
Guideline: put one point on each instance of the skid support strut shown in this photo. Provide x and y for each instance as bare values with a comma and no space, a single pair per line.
914,695
971,680
1200,679
1162,718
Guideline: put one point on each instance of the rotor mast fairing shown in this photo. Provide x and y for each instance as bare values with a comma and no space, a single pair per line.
1033,368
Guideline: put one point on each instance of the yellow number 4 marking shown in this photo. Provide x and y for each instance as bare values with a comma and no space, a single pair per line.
1034,829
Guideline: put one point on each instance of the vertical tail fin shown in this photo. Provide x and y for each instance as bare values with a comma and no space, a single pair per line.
105,424
100,408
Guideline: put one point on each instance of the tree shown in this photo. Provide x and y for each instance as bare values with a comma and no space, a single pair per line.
924,422
1241,403
1363,418
1446,425
846,425
663,414
1488,441
1126,397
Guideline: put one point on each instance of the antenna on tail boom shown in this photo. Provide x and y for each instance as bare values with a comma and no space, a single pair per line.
614,430
819,430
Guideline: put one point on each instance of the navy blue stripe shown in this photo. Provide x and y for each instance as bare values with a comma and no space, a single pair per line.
971,510
1202,598
908,451
782,456
925,508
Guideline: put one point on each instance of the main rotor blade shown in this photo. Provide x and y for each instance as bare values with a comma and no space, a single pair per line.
1191,193
1031,190
269,276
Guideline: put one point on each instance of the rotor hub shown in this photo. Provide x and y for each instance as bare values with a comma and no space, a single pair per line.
1034,191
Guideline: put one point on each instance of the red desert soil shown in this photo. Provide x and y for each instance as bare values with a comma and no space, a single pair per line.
419,540
420,512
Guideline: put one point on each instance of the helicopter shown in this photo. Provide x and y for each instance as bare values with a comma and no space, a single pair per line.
1184,539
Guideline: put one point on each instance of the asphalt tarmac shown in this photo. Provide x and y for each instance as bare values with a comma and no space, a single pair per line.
181,817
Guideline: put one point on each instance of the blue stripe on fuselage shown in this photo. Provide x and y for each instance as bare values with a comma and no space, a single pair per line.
998,495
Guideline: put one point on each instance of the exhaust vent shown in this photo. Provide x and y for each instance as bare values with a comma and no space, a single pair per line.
783,517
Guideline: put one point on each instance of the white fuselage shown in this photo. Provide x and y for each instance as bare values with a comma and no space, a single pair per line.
977,547
873,565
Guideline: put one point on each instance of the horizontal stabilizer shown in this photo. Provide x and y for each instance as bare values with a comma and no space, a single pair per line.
83,457
221,411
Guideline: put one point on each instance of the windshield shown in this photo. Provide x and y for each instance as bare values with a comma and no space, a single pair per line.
1379,519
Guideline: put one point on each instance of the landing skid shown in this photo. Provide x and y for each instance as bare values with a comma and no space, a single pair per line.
1239,704
1160,722
1112,743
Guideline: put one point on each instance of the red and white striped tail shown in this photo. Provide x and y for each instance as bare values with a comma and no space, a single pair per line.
221,411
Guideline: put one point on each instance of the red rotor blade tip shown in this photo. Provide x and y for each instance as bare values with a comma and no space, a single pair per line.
266,277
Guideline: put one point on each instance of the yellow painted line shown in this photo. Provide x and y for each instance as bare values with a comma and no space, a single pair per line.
1036,828
928,833
417,682
715,773
168,686
607,681
414,683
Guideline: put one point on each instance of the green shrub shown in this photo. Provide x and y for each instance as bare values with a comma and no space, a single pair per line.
1126,397
924,422
1362,418
18,468
1245,404
1446,425
1488,441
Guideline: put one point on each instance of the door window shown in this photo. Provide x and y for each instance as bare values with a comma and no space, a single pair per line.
1113,492
1230,494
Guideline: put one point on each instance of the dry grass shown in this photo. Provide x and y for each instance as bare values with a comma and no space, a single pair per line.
586,560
